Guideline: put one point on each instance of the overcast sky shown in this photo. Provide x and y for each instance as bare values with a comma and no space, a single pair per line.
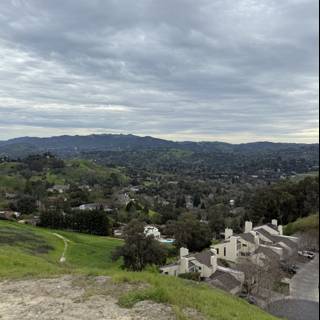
228,70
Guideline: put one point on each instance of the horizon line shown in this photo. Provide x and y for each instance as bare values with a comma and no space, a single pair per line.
155,137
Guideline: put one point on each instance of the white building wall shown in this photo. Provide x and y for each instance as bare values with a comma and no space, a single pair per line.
171,270
228,233
248,227
247,247
228,250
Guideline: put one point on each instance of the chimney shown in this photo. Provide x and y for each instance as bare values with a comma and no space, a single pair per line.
184,265
275,222
228,233
214,263
184,252
256,238
213,250
248,227
280,229
233,249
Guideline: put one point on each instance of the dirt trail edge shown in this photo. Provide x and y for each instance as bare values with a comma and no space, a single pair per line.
63,258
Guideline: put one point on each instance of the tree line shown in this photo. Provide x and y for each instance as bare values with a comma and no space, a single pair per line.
92,222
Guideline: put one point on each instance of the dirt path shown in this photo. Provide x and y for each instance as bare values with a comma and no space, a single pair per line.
65,240
73,298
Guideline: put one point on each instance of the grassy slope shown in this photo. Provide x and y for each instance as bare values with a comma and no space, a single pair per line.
26,251
301,176
302,225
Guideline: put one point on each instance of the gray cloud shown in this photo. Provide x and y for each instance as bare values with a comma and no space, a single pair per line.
181,69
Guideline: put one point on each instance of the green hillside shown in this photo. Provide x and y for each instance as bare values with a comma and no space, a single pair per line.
303,225
27,251
14,177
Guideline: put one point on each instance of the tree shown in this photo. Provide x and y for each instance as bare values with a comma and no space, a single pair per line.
197,200
191,233
77,196
217,220
139,251
93,222
26,205
261,277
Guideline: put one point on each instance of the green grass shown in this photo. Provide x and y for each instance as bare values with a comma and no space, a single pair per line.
11,183
21,245
78,169
26,251
303,225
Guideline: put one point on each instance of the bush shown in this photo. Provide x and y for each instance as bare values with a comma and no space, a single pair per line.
302,225
194,276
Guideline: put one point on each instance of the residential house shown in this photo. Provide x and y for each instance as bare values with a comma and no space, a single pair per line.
89,206
9,215
93,206
124,199
206,264
266,253
229,249
59,188
10,196
272,235
233,247
250,242
227,279
246,244
152,231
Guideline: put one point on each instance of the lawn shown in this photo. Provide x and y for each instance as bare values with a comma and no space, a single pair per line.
27,251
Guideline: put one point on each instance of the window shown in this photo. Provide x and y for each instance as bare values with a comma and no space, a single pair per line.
217,251
225,251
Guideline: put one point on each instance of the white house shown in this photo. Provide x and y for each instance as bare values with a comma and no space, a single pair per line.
234,246
272,235
152,231
59,188
204,262
273,228
229,249
246,244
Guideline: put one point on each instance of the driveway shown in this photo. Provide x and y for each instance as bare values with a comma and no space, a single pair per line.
305,284
295,309
303,303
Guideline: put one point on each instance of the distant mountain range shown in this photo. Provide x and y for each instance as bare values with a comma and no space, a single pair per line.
75,145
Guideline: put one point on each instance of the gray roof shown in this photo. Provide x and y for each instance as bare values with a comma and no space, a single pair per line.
203,257
224,280
268,252
272,226
291,244
267,234
278,238
249,237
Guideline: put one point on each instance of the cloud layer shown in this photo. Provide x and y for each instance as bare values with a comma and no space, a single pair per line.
227,70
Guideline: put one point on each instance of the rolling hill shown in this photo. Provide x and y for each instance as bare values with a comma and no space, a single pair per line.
74,145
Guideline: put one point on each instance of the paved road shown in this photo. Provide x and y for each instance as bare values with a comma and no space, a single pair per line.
305,284
295,309
303,303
